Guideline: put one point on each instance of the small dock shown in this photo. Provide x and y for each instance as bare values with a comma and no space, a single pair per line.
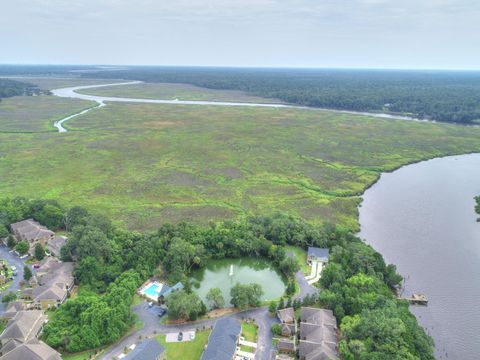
416,299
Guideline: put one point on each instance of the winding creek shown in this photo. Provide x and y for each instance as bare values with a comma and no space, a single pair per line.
71,92
421,218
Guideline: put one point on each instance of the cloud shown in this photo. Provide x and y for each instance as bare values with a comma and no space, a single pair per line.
255,32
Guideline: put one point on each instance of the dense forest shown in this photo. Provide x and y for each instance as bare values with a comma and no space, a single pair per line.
112,262
9,88
451,96
439,95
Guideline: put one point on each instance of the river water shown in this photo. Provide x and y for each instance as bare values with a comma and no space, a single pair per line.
421,218
71,92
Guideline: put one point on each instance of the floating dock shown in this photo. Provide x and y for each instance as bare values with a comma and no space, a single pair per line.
416,299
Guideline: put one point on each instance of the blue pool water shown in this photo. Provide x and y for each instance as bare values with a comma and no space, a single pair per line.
152,290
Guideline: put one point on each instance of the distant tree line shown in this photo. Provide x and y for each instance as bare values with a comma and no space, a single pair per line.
112,262
440,95
9,88
451,96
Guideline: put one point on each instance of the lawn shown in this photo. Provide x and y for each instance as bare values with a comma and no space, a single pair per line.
147,164
249,333
84,355
301,256
188,350
176,91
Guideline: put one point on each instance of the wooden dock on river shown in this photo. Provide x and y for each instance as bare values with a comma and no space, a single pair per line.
416,299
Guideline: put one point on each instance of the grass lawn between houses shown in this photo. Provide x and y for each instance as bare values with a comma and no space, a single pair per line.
186,350
249,333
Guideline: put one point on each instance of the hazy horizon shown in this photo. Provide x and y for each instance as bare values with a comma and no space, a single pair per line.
343,34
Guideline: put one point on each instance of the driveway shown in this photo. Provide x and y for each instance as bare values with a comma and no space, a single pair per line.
19,264
305,287
152,326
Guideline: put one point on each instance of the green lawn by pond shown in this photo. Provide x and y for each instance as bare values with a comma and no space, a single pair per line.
301,256
187,350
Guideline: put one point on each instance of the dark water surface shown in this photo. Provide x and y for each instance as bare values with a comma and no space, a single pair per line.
421,218
216,273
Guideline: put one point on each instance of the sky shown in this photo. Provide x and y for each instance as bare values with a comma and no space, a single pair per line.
419,34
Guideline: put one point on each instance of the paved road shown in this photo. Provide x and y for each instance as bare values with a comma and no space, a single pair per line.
19,264
152,326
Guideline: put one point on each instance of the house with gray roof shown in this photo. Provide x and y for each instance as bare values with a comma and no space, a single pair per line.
167,290
12,309
317,316
318,334
55,280
317,254
286,316
222,342
286,346
55,245
317,351
288,322
32,232
31,350
148,349
24,326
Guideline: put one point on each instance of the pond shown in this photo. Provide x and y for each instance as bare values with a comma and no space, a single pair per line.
421,218
217,273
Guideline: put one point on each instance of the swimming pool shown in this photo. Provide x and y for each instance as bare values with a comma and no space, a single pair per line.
152,290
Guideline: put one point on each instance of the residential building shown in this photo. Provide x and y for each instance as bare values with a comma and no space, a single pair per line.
167,290
286,346
288,322
55,245
317,255
24,326
12,309
148,349
55,280
31,231
318,334
223,340
31,350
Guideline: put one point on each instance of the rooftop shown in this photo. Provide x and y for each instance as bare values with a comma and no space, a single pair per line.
147,350
318,252
31,230
24,326
286,315
32,350
222,342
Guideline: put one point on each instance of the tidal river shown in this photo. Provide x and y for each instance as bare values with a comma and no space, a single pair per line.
421,218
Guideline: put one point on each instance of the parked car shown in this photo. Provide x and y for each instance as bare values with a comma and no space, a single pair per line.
161,312
14,273
24,256
14,268
180,336
150,304
36,266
